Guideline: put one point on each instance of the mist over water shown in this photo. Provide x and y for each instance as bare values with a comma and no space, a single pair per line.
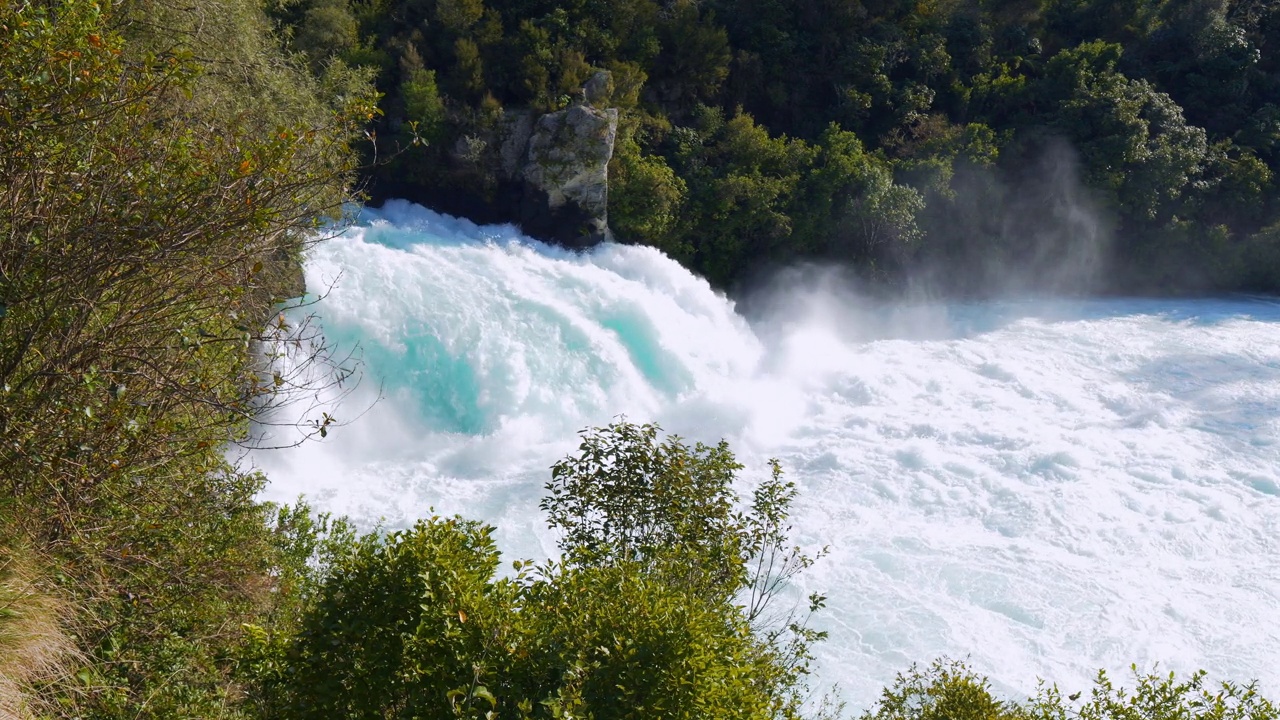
1046,487
1032,229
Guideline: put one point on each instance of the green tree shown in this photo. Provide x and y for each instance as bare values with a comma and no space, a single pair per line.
670,510
741,181
1236,190
624,644
1205,61
1134,139
423,106
694,60
626,497
468,69
946,690
404,625
662,605
850,207
1261,258
645,197
458,16
327,30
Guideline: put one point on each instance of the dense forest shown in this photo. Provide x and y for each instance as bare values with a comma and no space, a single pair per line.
163,165
1083,145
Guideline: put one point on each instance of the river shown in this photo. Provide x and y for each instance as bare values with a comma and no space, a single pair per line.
1046,487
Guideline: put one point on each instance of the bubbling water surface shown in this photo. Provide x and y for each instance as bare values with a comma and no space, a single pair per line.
1043,487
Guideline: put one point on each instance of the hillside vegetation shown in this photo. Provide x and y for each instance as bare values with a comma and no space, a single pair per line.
1083,144
161,165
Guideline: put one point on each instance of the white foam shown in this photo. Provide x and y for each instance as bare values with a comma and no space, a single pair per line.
1047,488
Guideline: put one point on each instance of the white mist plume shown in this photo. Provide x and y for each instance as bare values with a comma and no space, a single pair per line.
1036,230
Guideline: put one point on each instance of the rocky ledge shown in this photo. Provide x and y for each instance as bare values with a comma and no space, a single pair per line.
561,162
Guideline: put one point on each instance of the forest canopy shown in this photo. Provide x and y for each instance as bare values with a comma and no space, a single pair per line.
968,135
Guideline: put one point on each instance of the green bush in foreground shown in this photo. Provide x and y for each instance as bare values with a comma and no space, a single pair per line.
161,165
658,609
952,691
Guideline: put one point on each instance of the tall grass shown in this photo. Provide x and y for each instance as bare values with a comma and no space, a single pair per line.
35,646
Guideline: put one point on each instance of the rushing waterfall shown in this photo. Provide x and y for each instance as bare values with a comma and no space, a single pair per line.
1045,487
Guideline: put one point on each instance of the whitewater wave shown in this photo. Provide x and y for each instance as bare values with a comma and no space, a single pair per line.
1044,487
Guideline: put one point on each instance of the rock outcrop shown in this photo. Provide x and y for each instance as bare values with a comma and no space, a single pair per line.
564,168
547,172
566,176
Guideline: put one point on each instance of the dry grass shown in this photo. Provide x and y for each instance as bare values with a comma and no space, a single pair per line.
34,644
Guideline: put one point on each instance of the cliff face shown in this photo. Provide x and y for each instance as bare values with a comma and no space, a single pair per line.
548,173
561,161
566,176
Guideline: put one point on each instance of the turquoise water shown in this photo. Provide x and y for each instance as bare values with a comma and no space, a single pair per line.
1046,487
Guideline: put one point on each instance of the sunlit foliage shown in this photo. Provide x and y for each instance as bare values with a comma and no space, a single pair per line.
159,174
666,603
1169,108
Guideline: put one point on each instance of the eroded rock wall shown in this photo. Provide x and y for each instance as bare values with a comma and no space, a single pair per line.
560,161
566,175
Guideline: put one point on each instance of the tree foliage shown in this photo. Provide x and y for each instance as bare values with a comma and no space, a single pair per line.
152,216
659,606
1170,107
951,690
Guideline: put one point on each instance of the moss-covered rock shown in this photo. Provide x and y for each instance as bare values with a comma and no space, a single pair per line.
566,175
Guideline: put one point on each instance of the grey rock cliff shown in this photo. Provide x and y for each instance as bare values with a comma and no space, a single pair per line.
561,162
517,126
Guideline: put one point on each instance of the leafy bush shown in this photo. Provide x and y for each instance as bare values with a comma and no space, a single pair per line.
153,216
658,607
949,690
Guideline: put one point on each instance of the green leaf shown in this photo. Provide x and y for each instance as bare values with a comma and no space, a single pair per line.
483,693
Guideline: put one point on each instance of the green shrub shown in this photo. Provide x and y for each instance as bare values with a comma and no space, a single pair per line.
658,608
154,206
949,690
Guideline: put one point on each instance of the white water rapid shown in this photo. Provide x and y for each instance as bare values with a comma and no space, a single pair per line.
1047,488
